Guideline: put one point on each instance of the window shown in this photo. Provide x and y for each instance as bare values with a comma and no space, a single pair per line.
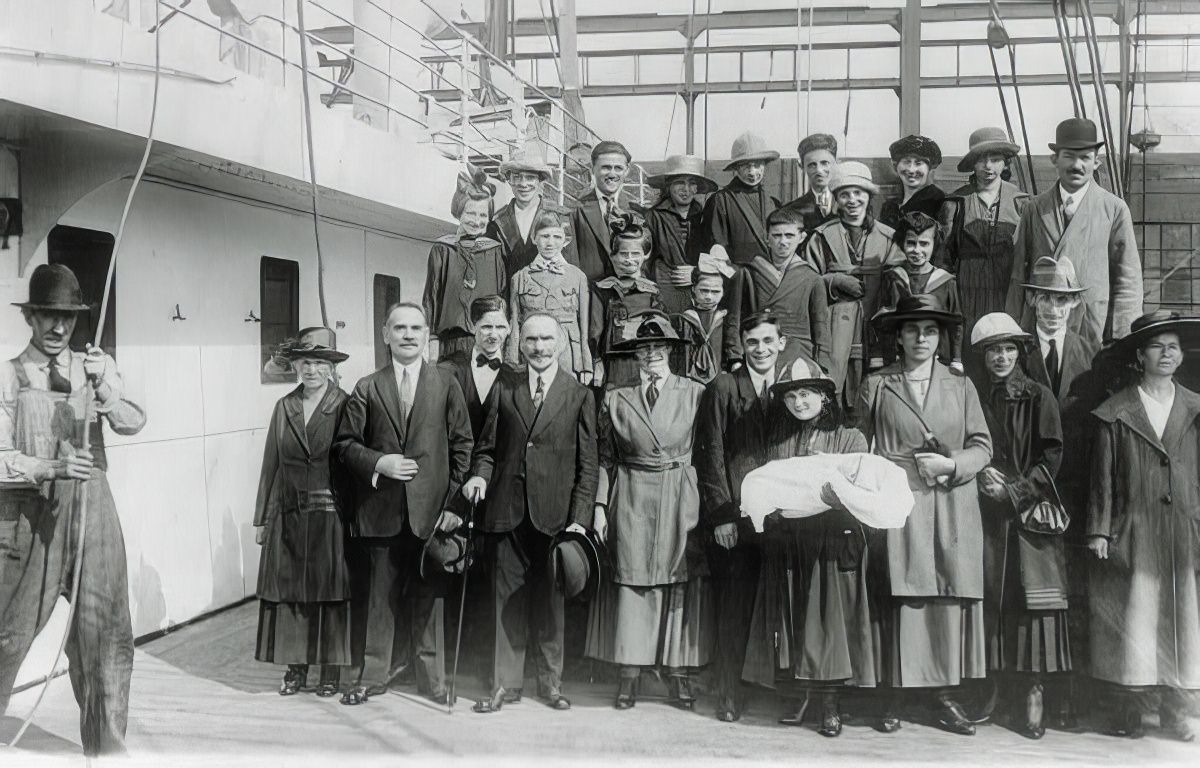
387,293
87,253
279,302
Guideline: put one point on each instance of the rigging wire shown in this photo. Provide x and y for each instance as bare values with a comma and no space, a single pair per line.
312,163
550,39
81,488
1072,75
998,37
1012,62
1115,146
707,74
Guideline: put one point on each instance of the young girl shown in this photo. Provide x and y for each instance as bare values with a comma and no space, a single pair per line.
811,630
614,299
702,324
463,266
918,236
551,285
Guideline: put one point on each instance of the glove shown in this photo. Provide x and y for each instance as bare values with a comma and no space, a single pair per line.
846,285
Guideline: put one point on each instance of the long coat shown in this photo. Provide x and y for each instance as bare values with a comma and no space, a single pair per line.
1144,604
593,239
1100,244
303,559
519,251
731,442
540,465
979,251
460,271
677,242
939,551
735,216
436,435
702,355
648,481
797,294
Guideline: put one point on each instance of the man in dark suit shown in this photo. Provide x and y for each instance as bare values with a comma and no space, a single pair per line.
477,371
593,239
1061,353
731,431
818,158
405,439
512,225
537,464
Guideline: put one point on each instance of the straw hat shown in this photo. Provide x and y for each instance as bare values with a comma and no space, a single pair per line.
984,140
528,161
995,327
851,173
749,147
684,165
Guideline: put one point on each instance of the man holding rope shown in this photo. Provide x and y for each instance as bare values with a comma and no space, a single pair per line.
47,394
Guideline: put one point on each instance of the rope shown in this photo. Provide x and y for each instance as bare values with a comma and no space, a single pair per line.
81,486
1060,25
312,162
549,39
1012,63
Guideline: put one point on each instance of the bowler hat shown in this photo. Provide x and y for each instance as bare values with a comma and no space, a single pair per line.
317,343
54,288
1053,276
1075,133
1152,324
525,160
443,553
851,173
996,327
683,165
984,140
577,564
803,374
650,326
750,147
921,306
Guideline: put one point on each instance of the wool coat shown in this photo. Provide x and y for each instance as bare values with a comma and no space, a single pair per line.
979,250
1101,246
460,271
735,216
518,251
797,294
303,558
677,241
731,442
648,481
1144,603
939,551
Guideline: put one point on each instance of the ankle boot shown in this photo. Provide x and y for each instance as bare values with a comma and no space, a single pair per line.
1032,727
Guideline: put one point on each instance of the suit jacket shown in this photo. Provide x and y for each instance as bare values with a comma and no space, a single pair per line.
731,441
544,464
593,241
437,436
1100,244
806,206
517,251
731,219
460,366
798,294
1074,359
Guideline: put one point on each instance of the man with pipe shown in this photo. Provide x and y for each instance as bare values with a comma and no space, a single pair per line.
47,395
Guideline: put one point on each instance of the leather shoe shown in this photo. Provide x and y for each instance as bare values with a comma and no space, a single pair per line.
796,717
727,710
439,698
1176,724
889,724
681,694
951,717
1033,728
557,701
1128,723
512,696
626,693
831,723
494,704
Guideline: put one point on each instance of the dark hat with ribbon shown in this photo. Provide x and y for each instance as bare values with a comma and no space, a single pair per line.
922,306
918,146
578,562
803,374
1076,133
316,343
610,148
54,288
983,141
443,553
1152,324
649,326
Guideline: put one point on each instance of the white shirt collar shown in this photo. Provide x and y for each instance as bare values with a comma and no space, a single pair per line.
1157,412
484,376
413,368
1060,338
1075,196
41,360
758,378
644,377
476,352
547,378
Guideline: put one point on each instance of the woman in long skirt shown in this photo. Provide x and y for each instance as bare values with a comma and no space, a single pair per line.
657,608
303,584
811,631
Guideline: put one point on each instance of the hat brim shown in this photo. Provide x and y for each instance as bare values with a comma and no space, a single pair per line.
594,552
868,186
632,344
890,321
1047,289
1021,339
821,385
328,355
768,156
705,185
1086,145
967,164
52,307
541,170
431,567
1188,327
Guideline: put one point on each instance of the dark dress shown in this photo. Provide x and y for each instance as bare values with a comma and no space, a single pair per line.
460,270
811,622
927,200
677,242
1025,575
613,300
303,583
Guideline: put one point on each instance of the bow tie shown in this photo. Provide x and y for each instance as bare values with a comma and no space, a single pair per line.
490,362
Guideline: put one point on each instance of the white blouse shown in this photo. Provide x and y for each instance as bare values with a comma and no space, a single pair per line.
1158,412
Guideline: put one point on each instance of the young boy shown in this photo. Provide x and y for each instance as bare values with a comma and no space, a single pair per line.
463,266
551,286
701,325
735,215
615,298
787,284
919,238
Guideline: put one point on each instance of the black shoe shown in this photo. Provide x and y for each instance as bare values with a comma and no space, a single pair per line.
680,692
831,723
728,710
494,704
795,718
1176,725
359,694
1032,727
1127,723
512,696
294,679
889,723
626,693
951,717
441,698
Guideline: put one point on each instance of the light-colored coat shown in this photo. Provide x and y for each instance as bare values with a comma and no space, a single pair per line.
939,551
648,480
1144,603
1100,244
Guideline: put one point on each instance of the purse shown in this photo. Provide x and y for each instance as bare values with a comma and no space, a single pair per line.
1045,512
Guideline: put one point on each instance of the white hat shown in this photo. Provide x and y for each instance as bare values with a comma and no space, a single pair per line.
995,327
851,173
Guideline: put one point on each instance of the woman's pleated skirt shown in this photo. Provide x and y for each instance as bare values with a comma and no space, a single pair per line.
304,633
670,625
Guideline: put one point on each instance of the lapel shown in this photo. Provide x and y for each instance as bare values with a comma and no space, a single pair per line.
692,317
939,278
896,385
767,270
756,226
423,394
555,399
506,224
664,414
523,400
633,396
389,395
1048,209
293,408
1183,412
590,205
1134,415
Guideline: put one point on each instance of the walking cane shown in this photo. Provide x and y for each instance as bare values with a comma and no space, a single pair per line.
468,557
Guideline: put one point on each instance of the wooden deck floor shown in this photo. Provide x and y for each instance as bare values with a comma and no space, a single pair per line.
199,698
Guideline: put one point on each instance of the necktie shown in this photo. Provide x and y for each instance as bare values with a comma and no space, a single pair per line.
406,395
652,391
539,394
1052,367
764,395
1067,210
491,362
58,382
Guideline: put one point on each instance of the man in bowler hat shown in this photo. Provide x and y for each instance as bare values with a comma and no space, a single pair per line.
46,395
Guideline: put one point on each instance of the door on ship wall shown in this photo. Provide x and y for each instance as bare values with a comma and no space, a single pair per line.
87,253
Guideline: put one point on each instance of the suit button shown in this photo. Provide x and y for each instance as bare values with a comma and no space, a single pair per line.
658,450
528,445
1166,499
1166,462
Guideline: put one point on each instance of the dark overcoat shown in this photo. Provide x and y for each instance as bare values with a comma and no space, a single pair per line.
731,442
798,296
458,272
735,216
677,241
518,252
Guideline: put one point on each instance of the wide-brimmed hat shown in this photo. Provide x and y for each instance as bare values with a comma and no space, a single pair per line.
649,326
916,146
318,343
803,374
1053,276
996,327
851,173
578,562
922,306
54,288
683,165
1076,133
1152,324
443,553
984,140
528,161
748,147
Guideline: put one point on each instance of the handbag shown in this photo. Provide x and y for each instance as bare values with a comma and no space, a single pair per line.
1044,513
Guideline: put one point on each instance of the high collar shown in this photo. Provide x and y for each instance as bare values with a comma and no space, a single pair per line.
737,185
40,359
665,204
1076,196
1015,386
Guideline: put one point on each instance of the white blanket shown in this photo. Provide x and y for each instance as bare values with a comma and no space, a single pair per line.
872,488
